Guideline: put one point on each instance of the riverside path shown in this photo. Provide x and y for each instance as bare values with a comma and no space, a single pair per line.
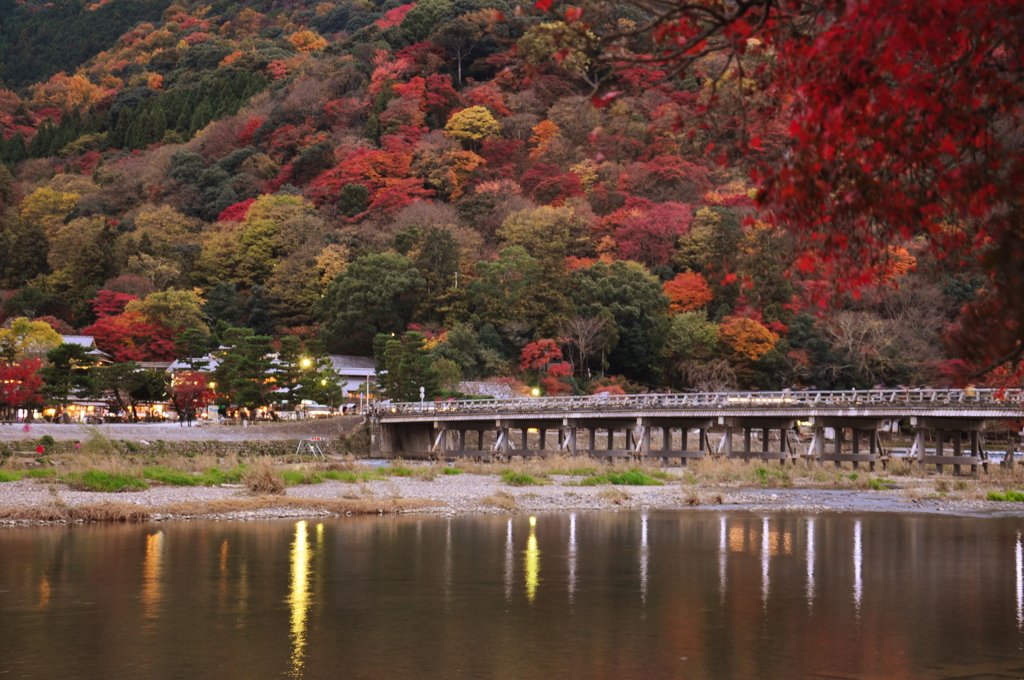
948,426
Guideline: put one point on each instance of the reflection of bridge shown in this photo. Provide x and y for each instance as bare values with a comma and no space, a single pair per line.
677,426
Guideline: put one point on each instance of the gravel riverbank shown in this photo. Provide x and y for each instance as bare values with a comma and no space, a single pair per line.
30,501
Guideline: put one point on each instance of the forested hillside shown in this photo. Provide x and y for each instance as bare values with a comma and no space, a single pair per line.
335,171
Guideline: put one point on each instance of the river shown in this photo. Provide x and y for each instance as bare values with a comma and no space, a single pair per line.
662,594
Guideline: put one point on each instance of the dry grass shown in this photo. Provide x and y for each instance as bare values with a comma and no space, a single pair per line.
336,505
701,497
614,495
111,464
502,499
129,512
99,512
263,480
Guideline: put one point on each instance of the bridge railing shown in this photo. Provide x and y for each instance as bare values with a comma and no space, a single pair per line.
785,399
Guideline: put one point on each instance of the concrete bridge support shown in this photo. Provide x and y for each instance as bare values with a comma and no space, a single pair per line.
406,440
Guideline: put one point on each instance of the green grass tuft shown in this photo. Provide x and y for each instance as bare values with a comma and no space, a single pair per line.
8,476
296,477
95,480
634,477
40,473
452,471
1012,496
395,471
518,479
211,477
341,476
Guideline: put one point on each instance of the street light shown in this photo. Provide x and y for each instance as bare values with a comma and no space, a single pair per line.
306,362
535,391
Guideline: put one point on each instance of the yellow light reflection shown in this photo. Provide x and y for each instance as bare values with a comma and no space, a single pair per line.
44,593
737,539
532,562
151,574
222,586
299,598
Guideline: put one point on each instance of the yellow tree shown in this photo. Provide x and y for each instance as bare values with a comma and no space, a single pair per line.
175,310
47,208
25,339
472,126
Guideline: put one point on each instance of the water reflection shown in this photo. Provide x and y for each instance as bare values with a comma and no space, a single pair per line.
532,562
151,575
722,551
298,599
222,584
44,593
643,558
448,562
1020,584
858,584
572,556
509,563
765,555
369,603
810,563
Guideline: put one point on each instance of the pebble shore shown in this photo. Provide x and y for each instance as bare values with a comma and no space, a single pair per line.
471,494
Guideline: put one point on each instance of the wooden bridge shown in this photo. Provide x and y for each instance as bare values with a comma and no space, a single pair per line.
948,425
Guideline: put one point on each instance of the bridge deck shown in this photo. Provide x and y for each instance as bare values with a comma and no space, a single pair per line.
975,404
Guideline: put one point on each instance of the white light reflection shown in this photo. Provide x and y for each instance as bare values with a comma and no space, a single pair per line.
1020,584
858,559
765,553
723,549
509,563
643,558
810,563
572,556
448,563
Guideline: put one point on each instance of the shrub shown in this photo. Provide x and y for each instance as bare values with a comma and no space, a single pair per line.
262,480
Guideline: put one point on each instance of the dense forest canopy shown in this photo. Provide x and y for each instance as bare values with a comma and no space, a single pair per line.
607,197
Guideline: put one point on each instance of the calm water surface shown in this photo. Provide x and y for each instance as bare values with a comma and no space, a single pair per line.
652,595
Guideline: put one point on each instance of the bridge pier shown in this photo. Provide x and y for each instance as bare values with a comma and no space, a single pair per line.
766,426
667,451
858,427
406,440
954,429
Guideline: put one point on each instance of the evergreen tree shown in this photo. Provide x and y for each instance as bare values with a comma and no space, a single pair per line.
407,366
202,116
